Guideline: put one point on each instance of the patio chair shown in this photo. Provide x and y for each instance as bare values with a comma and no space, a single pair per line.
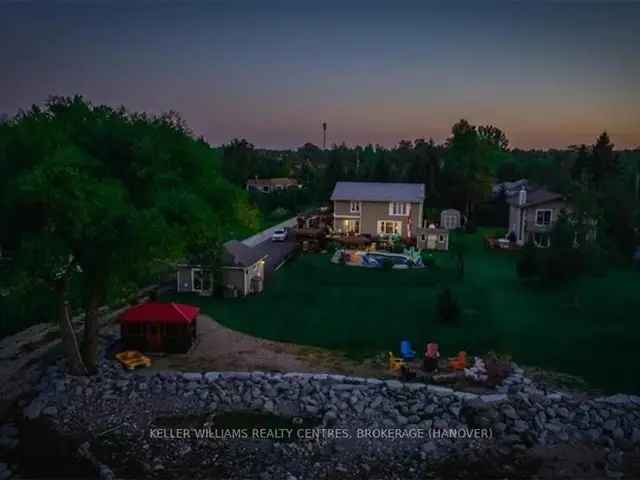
431,356
395,363
459,362
405,350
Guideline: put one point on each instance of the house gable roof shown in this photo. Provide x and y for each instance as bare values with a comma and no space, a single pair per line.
536,197
237,254
378,192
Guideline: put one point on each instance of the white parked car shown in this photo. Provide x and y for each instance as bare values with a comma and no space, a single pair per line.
279,235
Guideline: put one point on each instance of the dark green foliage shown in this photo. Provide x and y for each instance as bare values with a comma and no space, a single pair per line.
332,246
595,260
428,259
291,200
470,226
562,260
447,308
527,265
398,247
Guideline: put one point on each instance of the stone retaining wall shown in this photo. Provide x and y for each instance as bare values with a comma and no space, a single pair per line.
519,415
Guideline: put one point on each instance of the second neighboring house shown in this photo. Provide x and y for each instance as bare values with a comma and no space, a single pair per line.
268,185
532,214
378,209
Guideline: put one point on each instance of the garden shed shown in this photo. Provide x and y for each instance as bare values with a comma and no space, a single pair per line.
432,238
450,219
159,327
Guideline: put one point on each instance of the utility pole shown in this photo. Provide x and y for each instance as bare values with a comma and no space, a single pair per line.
324,135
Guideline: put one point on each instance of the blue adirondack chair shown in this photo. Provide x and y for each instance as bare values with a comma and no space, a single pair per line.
405,350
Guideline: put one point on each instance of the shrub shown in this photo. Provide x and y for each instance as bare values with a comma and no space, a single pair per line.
595,260
428,259
470,227
527,265
448,310
398,247
332,246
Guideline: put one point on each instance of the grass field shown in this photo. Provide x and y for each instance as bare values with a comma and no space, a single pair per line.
589,327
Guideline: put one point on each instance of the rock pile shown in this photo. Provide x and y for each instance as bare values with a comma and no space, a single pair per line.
119,409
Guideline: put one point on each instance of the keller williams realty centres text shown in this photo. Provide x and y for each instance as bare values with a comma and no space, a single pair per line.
317,433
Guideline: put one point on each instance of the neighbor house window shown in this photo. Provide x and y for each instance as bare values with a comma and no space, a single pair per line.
355,207
265,188
441,238
398,208
543,218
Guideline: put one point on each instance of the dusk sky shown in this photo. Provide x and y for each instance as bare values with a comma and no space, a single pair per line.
550,74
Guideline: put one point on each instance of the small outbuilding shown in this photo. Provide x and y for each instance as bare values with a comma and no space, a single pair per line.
243,269
194,279
450,219
242,272
432,238
159,327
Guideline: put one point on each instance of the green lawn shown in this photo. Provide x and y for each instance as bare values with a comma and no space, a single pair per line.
587,328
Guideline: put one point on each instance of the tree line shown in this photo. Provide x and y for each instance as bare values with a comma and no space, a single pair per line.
460,172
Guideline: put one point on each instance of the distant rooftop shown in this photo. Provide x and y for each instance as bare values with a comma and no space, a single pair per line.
510,188
378,192
535,197
262,182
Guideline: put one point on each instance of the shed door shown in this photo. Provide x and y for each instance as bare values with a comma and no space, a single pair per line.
184,280
154,337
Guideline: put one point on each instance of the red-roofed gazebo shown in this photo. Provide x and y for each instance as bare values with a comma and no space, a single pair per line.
159,327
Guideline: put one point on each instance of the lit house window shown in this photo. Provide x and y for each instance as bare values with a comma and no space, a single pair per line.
389,228
355,207
398,208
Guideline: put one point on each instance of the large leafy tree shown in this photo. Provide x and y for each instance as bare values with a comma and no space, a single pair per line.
466,167
117,194
605,160
494,136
